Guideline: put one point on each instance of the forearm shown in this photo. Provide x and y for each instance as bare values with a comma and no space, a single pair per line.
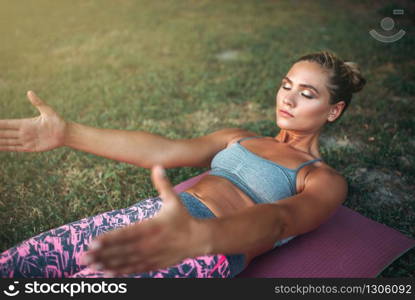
135,147
254,230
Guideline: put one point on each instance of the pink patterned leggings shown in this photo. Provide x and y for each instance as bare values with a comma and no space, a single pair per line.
56,253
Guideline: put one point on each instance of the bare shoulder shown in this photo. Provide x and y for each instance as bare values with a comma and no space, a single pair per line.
326,171
326,181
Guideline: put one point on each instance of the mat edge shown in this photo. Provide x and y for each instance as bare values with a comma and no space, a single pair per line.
396,258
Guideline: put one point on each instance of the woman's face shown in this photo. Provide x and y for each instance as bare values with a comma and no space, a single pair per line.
304,95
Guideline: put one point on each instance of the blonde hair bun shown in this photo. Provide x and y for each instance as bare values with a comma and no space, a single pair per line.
357,81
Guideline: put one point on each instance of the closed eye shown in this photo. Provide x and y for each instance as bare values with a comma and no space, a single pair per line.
305,96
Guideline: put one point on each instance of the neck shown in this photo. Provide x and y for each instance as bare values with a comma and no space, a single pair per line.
305,142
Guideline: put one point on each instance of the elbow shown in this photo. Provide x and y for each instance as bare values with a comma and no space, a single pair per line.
282,224
279,226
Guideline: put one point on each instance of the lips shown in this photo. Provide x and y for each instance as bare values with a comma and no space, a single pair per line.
286,113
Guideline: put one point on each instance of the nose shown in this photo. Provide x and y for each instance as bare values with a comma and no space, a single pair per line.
288,101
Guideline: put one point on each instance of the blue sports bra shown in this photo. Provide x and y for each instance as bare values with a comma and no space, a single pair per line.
264,181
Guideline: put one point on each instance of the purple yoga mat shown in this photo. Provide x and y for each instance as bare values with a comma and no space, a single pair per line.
347,245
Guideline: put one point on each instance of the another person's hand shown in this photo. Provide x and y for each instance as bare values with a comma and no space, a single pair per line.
42,133
162,241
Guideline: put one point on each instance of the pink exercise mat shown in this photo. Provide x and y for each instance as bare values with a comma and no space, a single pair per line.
347,245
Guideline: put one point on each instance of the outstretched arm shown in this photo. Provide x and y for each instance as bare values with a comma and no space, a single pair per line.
173,234
139,148
254,230
144,149
49,131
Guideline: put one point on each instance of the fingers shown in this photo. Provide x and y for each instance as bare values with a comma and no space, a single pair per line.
15,148
161,183
114,258
123,235
34,99
123,246
134,247
10,124
127,260
172,205
8,134
38,103
111,255
9,140
122,241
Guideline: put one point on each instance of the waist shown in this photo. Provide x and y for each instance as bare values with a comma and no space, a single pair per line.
195,207
220,195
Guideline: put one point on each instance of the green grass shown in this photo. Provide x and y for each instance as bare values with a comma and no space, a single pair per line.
154,66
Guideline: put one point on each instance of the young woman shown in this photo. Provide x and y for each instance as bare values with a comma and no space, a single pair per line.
260,193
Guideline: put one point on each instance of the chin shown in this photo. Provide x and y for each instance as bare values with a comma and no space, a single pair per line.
290,124
284,124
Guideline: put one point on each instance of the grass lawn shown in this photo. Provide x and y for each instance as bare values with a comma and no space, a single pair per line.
186,68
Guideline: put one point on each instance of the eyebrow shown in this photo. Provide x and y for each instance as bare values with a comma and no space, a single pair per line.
303,85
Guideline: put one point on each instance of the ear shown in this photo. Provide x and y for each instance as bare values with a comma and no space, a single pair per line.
335,111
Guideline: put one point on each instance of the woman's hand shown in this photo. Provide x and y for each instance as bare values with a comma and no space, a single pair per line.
41,133
162,241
